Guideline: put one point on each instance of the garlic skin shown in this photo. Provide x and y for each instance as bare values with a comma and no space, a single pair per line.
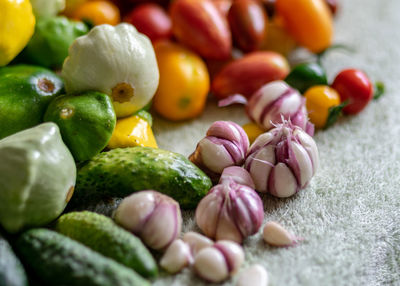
230,211
176,257
283,160
218,262
255,275
276,235
237,174
196,241
154,217
225,145
276,101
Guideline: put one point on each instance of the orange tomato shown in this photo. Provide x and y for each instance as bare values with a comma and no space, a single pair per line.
184,82
98,12
309,22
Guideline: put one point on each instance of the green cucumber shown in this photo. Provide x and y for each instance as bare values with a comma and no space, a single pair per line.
12,272
122,171
59,260
101,234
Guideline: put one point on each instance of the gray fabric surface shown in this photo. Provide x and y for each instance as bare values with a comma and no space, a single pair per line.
349,216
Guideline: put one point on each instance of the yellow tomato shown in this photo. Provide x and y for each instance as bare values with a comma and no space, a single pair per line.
98,12
278,39
309,22
184,82
17,24
253,131
320,101
130,132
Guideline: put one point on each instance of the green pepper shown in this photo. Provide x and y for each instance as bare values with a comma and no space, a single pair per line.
306,75
51,40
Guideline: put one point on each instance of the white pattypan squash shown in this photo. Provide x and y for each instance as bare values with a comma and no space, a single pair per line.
47,8
118,61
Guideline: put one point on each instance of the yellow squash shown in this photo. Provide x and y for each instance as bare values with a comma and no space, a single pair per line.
17,24
132,131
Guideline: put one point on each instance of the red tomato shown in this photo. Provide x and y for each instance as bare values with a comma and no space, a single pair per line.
355,87
151,20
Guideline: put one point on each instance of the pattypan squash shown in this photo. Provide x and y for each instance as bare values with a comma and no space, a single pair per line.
47,8
116,60
17,24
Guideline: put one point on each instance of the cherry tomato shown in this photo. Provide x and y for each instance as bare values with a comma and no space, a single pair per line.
248,22
278,39
151,20
98,12
355,88
308,21
223,6
184,82
321,101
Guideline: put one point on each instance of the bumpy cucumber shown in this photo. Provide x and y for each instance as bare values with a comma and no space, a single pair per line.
12,272
101,234
59,260
120,172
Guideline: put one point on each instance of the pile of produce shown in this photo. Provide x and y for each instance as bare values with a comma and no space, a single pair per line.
79,82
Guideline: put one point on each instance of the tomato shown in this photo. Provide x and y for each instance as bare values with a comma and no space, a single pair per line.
308,21
323,105
223,6
184,82
278,39
248,22
151,20
355,88
199,25
98,12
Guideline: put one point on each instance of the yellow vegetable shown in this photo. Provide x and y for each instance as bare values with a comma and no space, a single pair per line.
253,131
132,131
17,24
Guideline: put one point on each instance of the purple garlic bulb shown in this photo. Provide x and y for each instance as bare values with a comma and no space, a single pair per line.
230,211
283,160
225,145
277,101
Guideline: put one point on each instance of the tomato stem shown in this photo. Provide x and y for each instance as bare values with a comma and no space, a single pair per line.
379,90
334,113
333,47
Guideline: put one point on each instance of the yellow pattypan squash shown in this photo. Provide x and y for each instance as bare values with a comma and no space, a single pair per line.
17,24
132,131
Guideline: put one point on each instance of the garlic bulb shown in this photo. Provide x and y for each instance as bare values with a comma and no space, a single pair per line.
225,145
118,61
283,160
218,262
230,211
276,101
176,257
154,217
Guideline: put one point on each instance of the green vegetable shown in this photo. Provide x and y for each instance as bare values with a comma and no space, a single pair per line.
51,40
101,234
25,92
37,177
86,122
306,75
59,260
121,171
12,272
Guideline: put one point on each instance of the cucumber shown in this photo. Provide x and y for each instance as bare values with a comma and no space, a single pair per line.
12,272
101,234
122,171
59,260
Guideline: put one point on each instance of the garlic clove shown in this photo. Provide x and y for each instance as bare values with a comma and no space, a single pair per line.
233,253
282,182
134,209
176,257
210,265
238,175
215,156
162,227
274,234
196,241
261,140
255,275
311,147
226,228
260,165
208,211
304,163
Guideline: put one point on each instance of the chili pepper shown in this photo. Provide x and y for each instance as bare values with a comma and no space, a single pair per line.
306,75
323,105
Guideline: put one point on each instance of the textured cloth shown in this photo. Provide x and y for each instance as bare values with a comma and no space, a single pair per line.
349,216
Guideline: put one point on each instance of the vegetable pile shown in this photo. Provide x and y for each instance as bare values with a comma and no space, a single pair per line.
79,81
